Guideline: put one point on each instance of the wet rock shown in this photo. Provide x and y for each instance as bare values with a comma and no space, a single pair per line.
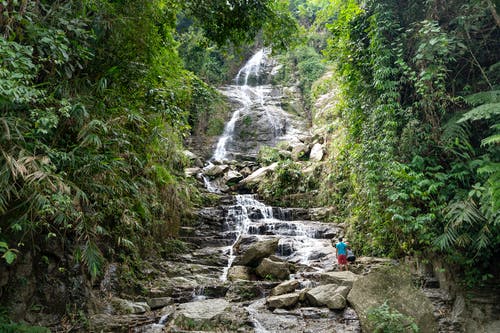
342,278
316,152
285,301
214,170
239,273
258,251
241,291
331,295
192,172
392,284
285,249
123,306
232,177
285,287
159,302
209,315
257,176
117,323
273,269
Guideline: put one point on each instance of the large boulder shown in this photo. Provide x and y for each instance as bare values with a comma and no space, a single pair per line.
283,301
232,177
215,170
273,269
257,176
394,285
208,315
253,255
342,278
239,273
285,287
123,306
331,295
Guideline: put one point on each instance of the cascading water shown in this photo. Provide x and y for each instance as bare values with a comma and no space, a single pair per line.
304,243
238,220
252,93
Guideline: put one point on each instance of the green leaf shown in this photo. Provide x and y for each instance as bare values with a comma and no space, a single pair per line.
9,256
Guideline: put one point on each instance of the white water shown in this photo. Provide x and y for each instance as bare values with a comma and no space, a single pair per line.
246,95
238,219
251,94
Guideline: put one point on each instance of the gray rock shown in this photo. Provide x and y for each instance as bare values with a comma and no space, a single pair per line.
123,306
257,176
258,251
239,273
232,177
190,172
274,269
394,285
208,315
241,291
203,310
159,302
342,278
316,152
331,295
283,301
214,170
285,287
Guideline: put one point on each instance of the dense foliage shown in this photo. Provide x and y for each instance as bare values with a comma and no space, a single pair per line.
98,96
95,103
416,163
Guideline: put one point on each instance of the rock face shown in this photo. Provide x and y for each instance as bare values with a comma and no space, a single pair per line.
394,285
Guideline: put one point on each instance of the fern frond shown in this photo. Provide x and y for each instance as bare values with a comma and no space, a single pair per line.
483,97
491,140
482,112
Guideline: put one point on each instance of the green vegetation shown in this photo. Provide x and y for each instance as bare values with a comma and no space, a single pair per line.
416,153
6,326
388,320
97,98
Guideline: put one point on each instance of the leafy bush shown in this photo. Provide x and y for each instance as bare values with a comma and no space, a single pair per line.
387,320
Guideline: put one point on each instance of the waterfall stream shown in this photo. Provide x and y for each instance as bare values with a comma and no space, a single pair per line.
303,243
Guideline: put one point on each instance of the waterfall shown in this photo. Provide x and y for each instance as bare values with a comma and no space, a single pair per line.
238,219
252,93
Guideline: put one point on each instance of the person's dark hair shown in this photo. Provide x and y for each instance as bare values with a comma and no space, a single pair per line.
340,239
